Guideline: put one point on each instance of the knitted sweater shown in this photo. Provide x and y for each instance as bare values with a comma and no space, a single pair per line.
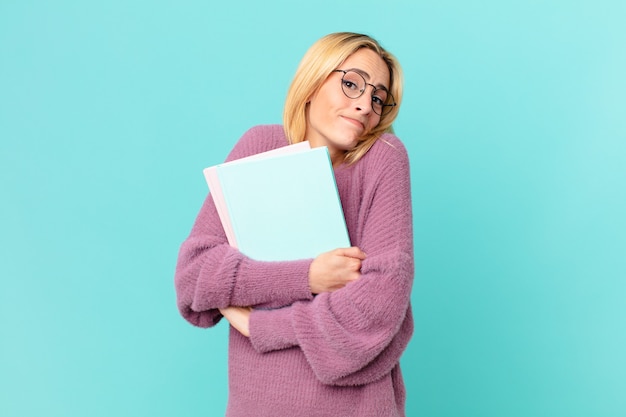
334,354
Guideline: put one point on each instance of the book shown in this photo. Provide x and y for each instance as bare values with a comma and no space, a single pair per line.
215,188
280,205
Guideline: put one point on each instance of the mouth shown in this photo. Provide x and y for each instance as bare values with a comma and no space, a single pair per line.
355,122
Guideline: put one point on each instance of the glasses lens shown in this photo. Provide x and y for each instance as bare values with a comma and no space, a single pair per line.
353,84
389,104
379,98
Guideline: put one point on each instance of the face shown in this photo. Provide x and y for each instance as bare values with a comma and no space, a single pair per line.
336,121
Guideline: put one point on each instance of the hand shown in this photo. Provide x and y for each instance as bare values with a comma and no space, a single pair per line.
239,318
332,270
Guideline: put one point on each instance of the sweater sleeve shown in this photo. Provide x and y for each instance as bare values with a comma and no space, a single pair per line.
210,274
357,334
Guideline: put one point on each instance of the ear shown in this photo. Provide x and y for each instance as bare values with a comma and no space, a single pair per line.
312,96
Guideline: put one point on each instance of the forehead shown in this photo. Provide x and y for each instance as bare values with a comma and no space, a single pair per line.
371,64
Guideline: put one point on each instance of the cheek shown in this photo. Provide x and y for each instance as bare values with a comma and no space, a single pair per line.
374,121
319,107
318,115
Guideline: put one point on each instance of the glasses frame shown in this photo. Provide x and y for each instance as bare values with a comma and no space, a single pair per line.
383,112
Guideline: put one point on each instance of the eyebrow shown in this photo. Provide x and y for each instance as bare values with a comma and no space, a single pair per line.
367,77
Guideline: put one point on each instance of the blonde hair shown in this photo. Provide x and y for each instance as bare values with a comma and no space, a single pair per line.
322,58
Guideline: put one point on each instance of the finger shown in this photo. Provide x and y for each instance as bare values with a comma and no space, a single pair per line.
354,264
352,252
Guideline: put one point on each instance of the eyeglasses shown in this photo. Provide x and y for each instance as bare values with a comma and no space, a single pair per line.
353,85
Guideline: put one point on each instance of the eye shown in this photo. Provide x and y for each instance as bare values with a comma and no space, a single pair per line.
379,96
379,101
350,85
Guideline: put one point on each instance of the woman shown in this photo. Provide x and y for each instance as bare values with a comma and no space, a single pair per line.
328,338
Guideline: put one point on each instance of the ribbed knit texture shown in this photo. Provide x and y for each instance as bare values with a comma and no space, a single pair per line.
336,354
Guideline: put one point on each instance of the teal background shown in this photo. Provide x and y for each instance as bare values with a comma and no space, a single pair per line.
514,120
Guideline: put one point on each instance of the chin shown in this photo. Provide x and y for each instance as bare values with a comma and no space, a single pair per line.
348,145
350,140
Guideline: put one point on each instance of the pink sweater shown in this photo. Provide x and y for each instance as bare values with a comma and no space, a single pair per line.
335,354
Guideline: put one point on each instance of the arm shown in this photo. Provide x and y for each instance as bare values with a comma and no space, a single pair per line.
210,274
330,271
357,334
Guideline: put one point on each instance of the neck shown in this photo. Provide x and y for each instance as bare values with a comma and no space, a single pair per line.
337,156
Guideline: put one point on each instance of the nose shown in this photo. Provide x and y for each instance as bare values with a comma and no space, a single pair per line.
364,102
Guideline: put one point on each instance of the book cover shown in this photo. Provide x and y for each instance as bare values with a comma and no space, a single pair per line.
212,179
282,206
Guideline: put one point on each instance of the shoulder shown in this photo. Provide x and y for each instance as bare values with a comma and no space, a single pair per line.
259,139
390,145
388,152
265,131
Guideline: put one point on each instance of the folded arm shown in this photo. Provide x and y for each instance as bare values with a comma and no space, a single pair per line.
356,334
210,274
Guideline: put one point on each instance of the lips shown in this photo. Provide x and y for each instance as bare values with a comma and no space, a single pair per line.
355,122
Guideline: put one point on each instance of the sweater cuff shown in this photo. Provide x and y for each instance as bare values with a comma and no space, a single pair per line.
278,284
272,330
